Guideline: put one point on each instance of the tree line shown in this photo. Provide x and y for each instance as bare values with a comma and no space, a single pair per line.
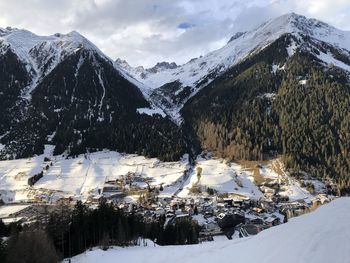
68,232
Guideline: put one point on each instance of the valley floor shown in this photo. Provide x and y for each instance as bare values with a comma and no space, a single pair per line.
262,193
87,176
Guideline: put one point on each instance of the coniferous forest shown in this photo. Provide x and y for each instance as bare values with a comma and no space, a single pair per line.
66,233
254,113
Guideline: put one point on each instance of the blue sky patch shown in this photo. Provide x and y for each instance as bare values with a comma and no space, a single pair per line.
185,25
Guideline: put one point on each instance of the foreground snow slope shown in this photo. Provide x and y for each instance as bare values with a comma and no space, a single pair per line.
321,236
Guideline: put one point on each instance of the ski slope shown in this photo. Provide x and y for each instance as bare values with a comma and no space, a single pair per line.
322,236
82,176
223,177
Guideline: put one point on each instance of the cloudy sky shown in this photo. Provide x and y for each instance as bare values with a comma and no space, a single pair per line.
147,31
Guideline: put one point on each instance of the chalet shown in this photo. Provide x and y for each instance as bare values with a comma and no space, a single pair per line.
180,217
238,202
272,184
230,220
249,229
211,226
267,190
221,206
112,193
267,205
110,188
208,214
256,221
321,199
10,220
160,211
292,209
228,201
258,210
272,221
111,180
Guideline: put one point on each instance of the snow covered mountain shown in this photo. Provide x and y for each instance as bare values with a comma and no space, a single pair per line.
318,237
41,54
62,89
243,101
172,87
159,67
287,92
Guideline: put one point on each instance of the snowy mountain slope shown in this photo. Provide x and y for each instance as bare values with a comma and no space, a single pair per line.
41,54
189,78
159,67
32,48
319,237
64,84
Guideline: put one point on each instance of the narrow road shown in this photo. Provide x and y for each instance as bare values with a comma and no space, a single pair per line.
184,180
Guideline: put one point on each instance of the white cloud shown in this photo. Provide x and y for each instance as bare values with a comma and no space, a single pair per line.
146,31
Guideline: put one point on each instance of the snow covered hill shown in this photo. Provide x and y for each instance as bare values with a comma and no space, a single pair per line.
81,177
322,236
85,176
186,80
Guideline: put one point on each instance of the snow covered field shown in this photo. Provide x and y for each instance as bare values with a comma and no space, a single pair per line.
223,177
6,211
292,187
84,175
319,237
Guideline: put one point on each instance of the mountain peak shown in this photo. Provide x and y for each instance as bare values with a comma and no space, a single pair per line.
6,31
160,66
22,42
198,73
41,54
295,23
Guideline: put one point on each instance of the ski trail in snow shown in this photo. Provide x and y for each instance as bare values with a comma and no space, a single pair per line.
86,176
186,180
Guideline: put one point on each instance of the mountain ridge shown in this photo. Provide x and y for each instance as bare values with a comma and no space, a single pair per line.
198,73
73,93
